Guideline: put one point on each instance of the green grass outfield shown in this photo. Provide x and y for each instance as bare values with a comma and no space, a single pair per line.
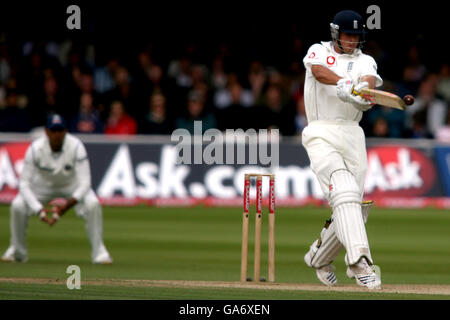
203,244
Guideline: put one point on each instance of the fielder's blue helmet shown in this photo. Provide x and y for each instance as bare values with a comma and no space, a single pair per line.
55,122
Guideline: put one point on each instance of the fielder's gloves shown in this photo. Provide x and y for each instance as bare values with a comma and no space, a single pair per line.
42,215
344,90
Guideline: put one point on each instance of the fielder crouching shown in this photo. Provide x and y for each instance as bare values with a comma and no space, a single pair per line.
56,166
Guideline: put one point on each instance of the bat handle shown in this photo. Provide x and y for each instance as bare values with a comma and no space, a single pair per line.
355,93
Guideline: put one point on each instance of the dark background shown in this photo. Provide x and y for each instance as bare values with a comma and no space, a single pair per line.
253,29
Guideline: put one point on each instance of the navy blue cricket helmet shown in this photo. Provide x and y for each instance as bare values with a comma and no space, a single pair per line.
350,22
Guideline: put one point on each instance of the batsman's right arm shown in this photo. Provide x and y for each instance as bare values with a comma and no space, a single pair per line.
324,75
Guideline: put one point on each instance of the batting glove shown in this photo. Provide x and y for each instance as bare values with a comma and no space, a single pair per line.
359,102
344,90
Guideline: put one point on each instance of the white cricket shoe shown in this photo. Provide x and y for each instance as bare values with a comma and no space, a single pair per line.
8,259
364,275
9,256
103,258
326,273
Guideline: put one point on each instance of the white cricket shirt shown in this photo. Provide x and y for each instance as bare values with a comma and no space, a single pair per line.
48,173
321,100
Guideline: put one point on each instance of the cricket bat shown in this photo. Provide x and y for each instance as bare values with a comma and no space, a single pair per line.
383,98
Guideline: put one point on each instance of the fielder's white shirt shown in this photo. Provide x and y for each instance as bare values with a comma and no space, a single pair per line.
321,100
47,173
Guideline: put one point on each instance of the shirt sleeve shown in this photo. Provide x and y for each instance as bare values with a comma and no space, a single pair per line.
25,182
315,56
83,172
369,68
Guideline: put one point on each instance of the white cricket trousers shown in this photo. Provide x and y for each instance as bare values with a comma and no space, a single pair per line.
337,152
89,208
335,145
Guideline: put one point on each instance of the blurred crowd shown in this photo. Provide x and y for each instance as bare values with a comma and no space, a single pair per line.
147,94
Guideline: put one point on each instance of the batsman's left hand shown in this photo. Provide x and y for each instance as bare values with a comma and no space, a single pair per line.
357,88
357,100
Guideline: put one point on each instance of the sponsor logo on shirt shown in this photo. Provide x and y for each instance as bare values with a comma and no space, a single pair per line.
331,60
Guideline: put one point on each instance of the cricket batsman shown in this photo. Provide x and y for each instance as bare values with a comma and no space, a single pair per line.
55,166
335,144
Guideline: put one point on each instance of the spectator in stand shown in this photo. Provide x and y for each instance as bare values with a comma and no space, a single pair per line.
155,82
295,75
236,115
148,82
199,82
144,61
30,80
435,109
300,117
443,86
394,120
275,78
443,134
196,112
14,105
31,76
179,75
86,82
297,50
257,78
218,74
180,72
13,118
123,92
233,94
380,128
52,100
296,80
419,128
87,120
104,76
70,79
275,113
156,121
376,51
118,121
155,75
413,73
198,74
